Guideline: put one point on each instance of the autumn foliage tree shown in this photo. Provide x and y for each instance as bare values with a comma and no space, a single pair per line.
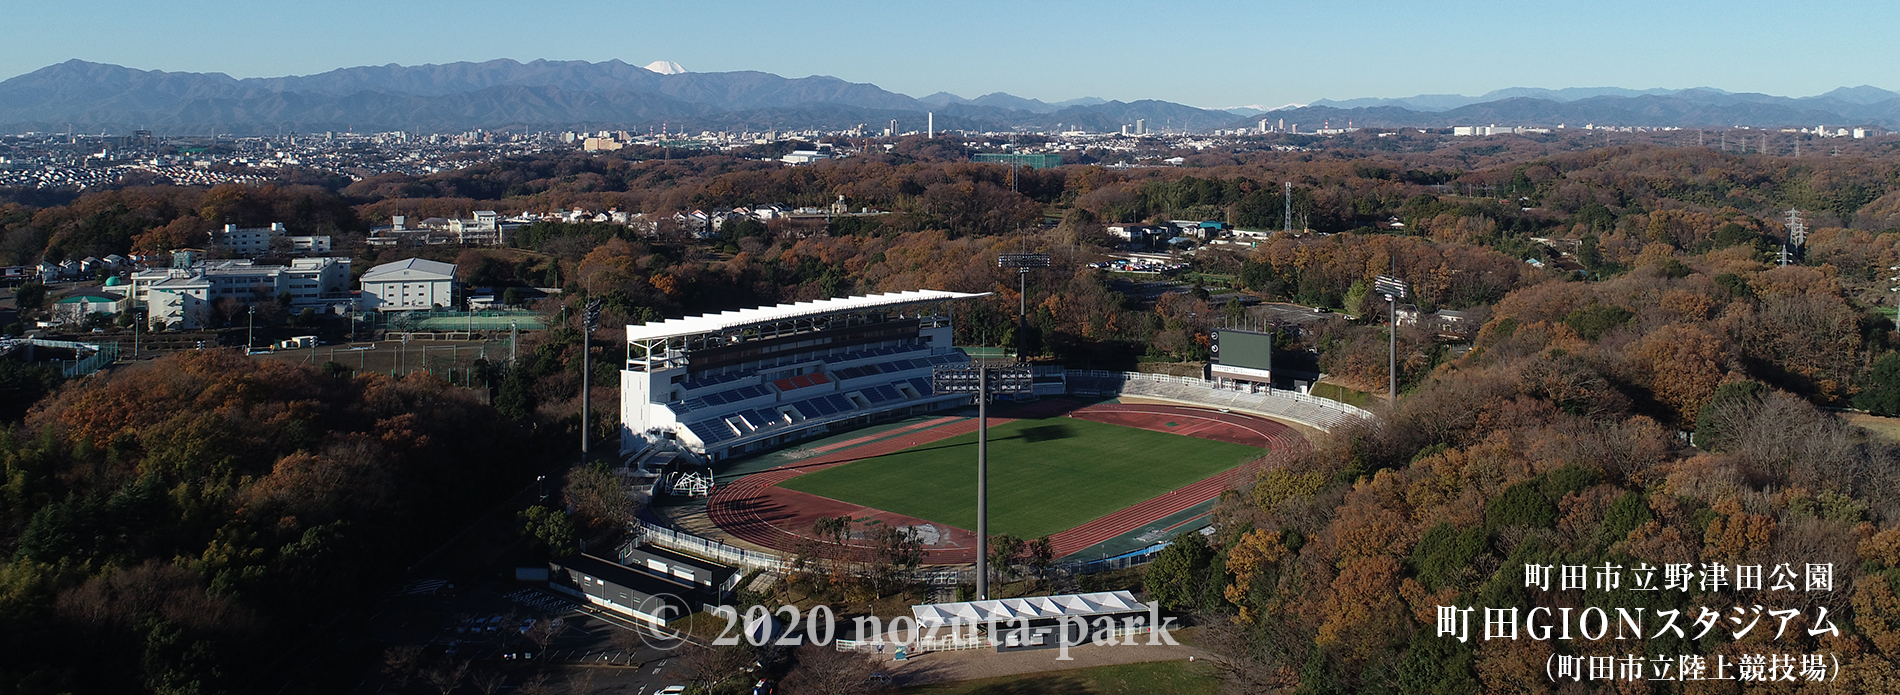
175,528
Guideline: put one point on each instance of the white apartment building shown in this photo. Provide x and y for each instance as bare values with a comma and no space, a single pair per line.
409,285
248,241
256,241
183,296
485,229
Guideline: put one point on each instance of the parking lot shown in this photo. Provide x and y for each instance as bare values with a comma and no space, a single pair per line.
522,632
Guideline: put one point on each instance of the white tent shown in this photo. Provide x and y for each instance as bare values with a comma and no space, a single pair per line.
1030,608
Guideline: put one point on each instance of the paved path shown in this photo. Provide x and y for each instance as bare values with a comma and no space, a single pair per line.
971,664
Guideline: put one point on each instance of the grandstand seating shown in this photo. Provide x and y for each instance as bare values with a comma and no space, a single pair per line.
719,399
1309,410
905,350
706,382
801,381
861,371
730,425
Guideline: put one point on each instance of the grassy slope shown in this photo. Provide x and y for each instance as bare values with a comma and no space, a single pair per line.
1046,475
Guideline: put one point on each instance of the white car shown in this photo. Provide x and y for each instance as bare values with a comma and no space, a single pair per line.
672,690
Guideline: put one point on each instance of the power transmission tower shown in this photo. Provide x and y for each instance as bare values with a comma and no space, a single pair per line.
1797,236
1287,198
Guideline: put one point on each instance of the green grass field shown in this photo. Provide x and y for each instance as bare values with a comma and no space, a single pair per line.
1046,475
1172,677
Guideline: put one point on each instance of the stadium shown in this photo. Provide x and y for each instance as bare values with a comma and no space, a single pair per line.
782,415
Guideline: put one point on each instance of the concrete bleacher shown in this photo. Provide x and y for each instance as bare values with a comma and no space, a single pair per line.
720,423
1319,413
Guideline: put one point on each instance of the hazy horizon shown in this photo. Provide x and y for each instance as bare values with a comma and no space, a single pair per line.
1210,54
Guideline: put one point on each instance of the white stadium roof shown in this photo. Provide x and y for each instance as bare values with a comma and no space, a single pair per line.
1031,608
728,320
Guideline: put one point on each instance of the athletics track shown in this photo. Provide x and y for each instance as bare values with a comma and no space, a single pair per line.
755,509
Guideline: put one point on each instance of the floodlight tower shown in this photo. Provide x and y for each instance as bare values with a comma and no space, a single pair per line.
1022,262
983,380
1393,289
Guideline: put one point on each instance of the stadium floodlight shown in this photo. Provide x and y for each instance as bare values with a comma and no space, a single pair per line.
983,380
1394,290
1022,262
1389,286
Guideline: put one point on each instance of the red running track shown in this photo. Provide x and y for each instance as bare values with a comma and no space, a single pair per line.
755,509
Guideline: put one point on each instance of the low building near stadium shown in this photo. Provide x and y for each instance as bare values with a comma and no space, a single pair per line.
737,382
632,593
1036,622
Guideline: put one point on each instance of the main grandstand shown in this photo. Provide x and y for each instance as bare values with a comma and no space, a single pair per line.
737,382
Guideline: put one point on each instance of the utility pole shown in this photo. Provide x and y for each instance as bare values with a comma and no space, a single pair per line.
589,319
250,330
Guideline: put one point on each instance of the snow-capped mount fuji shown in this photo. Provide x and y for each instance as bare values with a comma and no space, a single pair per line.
665,67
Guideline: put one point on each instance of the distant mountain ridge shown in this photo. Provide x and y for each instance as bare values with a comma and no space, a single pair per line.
544,94
1687,108
508,93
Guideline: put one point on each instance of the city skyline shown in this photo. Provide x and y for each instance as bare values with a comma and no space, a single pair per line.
1207,54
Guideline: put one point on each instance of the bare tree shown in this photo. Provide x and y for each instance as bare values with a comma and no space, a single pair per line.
626,640
488,682
1041,553
538,685
543,632
1004,549
582,684
895,553
712,666
446,675
400,663
1245,669
827,671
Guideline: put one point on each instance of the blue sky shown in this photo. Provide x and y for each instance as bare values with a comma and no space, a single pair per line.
1204,53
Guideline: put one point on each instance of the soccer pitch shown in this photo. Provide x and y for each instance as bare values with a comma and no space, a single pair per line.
1046,475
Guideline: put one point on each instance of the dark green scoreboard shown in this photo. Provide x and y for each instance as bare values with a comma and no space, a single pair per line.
1241,355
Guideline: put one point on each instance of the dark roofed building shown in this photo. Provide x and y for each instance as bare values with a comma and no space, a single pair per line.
621,589
712,579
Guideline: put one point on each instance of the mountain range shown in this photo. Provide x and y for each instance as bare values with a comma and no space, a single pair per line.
544,95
